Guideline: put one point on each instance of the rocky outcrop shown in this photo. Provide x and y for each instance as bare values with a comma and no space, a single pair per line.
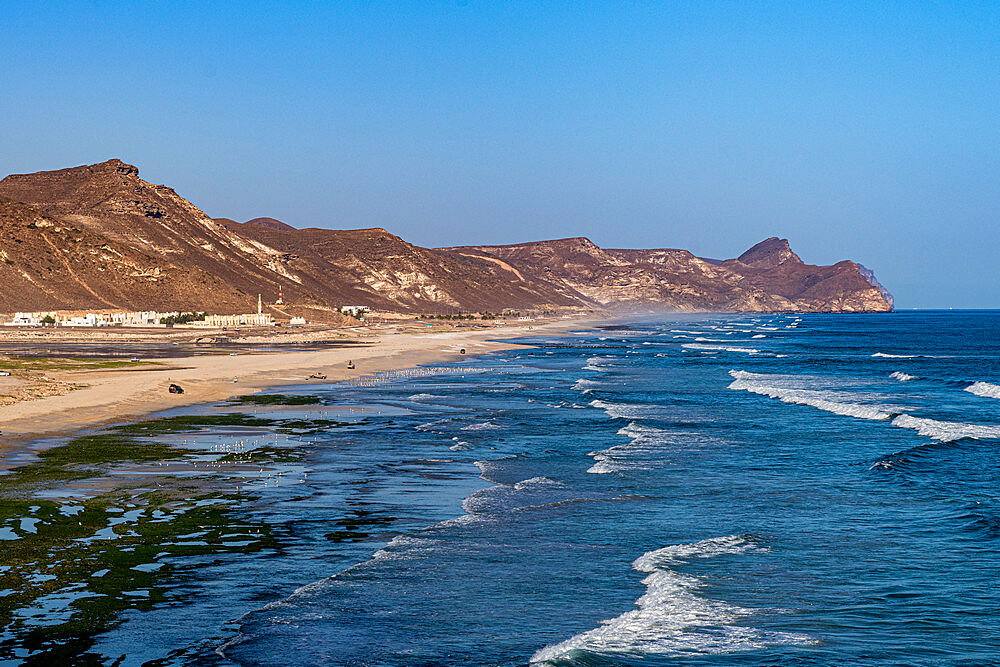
769,253
98,236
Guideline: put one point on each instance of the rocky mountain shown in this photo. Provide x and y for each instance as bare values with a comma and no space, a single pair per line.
375,268
100,237
767,277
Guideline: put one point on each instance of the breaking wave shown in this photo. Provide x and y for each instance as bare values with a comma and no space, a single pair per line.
672,618
593,364
628,410
485,426
430,426
721,348
644,452
585,386
984,389
902,377
424,397
789,389
947,431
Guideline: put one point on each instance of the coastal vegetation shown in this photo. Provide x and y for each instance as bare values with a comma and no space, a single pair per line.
183,318
276,399
486,315
68,363
80,542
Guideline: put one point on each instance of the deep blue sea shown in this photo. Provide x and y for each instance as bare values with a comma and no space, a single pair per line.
696,490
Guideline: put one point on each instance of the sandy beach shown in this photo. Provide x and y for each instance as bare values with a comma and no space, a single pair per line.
118,395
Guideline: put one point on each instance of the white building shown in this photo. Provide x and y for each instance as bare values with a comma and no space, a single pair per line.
246,320
27,319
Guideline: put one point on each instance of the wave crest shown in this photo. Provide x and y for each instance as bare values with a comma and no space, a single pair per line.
671,618
984,389
947,431
788,389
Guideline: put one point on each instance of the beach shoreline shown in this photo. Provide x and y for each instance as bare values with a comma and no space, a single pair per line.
126,395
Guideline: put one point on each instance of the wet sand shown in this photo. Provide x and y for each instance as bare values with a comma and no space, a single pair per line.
127,394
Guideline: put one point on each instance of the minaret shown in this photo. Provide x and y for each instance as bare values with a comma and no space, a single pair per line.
281,297
260,306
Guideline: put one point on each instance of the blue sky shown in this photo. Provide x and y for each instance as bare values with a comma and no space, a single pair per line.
858,130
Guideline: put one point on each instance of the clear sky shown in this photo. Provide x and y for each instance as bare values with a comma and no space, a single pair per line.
868,130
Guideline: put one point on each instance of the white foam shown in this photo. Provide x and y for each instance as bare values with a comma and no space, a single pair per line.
460,445
627,410
501,498
902,377
671,618
947,431
585,386
759,336
984,389
644,452
789,389
535,483
430,426
593,364
423,397
566,404
722,348
883,355
404,543
485,426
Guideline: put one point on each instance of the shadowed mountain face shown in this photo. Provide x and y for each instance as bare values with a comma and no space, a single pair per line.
99,237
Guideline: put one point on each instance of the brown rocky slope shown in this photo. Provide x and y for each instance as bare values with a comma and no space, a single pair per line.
100,237
768,277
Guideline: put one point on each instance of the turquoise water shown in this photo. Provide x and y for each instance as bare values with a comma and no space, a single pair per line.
776,489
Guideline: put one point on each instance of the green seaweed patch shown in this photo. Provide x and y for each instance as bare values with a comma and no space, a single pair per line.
276,399
102,573
189,423
314,423
268,454
78,458
70,363
311,426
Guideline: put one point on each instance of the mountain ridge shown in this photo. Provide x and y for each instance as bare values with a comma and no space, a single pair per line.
123,242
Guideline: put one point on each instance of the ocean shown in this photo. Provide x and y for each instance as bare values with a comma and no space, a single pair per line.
702,489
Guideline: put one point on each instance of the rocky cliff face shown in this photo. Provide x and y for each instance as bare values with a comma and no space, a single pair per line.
99,236
767,277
